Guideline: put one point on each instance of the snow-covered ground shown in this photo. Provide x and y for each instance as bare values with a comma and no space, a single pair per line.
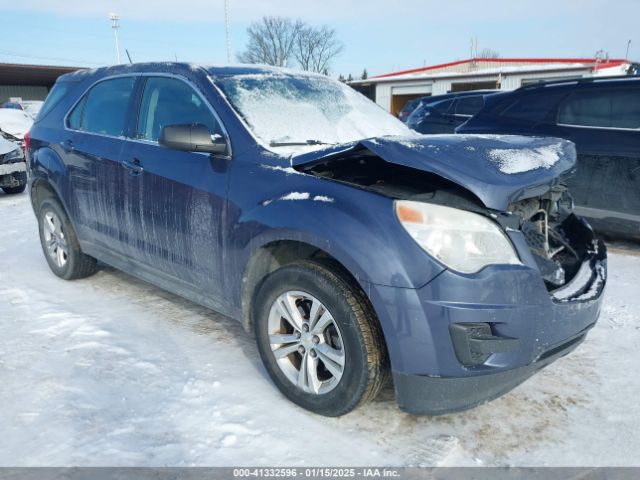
112,371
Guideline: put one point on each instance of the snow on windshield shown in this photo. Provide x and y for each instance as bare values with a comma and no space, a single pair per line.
291,108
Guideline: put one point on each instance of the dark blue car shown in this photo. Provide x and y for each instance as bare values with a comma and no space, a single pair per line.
352,248
444,113
602,117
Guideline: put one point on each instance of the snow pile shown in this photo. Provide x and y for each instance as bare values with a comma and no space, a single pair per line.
296,108
301,196
109,370
519,160
295,196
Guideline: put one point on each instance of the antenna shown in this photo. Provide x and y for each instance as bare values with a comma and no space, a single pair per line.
626,57
128,56
114,25
226,29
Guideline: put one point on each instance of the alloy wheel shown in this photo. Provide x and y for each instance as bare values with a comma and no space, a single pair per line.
306,342
55,240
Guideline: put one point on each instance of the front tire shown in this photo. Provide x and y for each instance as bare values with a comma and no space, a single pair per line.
319,339
60,244
14,190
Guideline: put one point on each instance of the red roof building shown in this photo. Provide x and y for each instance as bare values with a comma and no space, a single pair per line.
393,90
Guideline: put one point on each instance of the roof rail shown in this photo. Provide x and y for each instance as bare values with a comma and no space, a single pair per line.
568,81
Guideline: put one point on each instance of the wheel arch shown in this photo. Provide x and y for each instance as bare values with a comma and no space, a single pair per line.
277,253
41,188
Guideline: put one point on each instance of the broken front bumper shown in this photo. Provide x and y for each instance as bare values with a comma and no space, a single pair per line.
7,168
462,340
424,395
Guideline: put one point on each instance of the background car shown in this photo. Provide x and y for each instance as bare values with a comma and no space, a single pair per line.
30,107
602,117
13,168
408,108
443,113
14,124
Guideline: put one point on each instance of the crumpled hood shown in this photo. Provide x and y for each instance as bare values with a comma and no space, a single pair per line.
15,122
6,146
498,169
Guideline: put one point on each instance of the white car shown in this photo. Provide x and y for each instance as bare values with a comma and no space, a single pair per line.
30,107
13,167
14,124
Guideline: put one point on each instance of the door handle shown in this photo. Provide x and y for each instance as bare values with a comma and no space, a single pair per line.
133,166
67,146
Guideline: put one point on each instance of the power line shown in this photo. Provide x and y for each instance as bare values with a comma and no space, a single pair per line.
57,59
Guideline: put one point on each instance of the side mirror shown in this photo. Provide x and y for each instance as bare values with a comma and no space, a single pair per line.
192,138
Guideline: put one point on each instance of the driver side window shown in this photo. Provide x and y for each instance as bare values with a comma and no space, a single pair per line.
169,101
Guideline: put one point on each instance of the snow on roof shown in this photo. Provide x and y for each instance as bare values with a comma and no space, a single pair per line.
489,66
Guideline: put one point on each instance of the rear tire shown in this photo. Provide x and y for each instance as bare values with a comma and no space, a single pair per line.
334,359
14,190
60,243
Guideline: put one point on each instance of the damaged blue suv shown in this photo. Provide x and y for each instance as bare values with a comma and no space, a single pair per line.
353,248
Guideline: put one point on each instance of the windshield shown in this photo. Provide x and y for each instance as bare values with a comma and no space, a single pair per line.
284,110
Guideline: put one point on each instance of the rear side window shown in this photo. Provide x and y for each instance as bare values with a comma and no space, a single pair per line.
168,101
443,107
56,94
608,109
410,106
533,107
469,106
104,108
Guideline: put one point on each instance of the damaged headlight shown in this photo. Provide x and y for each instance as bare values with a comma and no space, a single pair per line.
13,156
463,241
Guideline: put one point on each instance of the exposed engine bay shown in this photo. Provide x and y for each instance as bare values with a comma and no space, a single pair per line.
559,241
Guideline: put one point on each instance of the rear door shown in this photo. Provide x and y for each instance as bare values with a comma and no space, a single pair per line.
92,146
175,200
604,123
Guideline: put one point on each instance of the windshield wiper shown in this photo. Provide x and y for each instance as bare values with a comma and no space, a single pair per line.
292,144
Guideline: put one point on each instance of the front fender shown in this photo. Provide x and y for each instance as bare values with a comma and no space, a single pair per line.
356,227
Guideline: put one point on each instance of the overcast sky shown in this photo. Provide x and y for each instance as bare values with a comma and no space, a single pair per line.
380,35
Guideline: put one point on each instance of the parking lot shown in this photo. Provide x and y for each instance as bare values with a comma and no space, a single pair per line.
112,371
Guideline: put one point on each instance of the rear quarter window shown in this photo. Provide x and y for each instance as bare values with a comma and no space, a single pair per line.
603,109
57,93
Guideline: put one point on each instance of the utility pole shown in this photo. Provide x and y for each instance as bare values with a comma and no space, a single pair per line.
226,29
114,25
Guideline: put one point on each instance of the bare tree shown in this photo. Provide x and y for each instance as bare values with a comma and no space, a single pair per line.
271,41
488,53
278,40
316,47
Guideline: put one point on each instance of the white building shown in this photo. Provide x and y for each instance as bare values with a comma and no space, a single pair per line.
392,90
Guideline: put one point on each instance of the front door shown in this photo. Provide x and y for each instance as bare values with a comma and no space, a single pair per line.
174,199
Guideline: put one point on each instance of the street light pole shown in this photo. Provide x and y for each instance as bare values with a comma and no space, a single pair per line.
226,29
114,25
